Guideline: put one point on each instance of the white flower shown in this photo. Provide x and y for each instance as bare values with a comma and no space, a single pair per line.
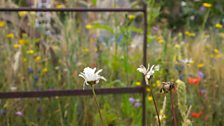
90,76
148,72
186,61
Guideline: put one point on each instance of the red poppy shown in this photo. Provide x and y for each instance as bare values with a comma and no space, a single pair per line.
196,114
194,80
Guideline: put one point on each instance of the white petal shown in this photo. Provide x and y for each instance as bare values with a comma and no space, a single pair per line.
148,67
156,68
142,69
103,78
99,71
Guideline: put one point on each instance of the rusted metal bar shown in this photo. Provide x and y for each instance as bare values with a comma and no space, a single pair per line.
144,63
76,92
72,9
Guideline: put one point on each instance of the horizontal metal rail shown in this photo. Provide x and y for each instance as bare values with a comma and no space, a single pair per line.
76,92
72,9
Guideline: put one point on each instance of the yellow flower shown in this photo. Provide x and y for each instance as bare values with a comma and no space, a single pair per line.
148,89
22,13
216,51
207,5
218,26
30,51
44,70
160,39
149,98
131,17
89,26
200,65
158,83
190,34
2,24
24,60
10,35
22,41
16,46
37,59
217,55
177,46
85,50
138,83
59,6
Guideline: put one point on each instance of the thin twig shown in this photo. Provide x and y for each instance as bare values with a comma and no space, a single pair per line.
157,112
173,111
98,107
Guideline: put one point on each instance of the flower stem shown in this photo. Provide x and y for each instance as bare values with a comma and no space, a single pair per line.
98,107
157,112
173,111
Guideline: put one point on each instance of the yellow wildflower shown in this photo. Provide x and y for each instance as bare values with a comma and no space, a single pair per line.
160,39
89,26
218,26
149,98
158,83
85,50
148,89
44,70
22,41
30,51
218,55
2,24
59,6
200,65
22,13
37,59
216,51
131,17
16,46
190,34
24,60
10,35
138,83
177,46
207,5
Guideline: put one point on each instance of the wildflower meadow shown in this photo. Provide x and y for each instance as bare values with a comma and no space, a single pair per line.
181,77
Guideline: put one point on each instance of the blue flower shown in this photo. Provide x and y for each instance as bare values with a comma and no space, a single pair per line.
30,70
201,74
36,78
2,111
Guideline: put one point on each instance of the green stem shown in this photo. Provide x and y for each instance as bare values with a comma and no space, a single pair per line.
61,113
98,107
205,20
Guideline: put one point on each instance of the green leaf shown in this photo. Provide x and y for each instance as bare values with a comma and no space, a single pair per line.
94,2
102,26
134,29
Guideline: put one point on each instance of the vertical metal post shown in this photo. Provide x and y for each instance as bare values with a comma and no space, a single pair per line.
144,63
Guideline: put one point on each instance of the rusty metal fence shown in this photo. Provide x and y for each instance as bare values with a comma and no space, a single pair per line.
80,92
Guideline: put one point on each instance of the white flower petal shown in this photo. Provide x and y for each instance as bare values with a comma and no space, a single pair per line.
156,68
89,75
142,69
99,71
